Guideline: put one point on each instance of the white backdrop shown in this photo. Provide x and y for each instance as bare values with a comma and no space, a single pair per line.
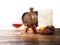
45,17
11,10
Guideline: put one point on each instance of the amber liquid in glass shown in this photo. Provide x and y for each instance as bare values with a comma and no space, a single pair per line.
17,25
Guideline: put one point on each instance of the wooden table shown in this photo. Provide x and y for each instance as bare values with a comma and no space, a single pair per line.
13,37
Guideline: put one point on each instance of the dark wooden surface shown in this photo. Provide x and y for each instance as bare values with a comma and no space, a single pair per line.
17,38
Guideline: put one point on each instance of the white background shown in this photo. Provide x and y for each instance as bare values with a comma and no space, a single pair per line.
45,17
12,10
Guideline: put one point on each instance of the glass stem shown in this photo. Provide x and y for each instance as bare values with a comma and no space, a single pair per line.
17,28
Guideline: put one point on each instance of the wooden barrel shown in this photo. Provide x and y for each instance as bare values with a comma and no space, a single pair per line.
30,19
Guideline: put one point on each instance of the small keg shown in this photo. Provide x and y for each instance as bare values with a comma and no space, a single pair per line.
30,19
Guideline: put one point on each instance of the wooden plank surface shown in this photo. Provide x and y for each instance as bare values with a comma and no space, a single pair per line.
11,37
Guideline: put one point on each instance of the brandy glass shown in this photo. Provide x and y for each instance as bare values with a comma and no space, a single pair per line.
17,25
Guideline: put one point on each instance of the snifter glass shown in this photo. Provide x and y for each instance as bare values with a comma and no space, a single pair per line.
17,23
